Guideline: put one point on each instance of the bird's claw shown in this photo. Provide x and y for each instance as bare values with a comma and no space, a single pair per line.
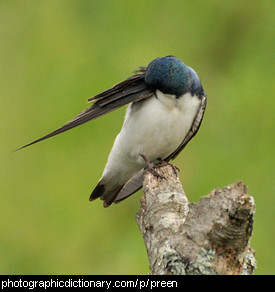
163,163
151,167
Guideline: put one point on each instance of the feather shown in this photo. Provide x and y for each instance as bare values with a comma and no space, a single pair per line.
130,90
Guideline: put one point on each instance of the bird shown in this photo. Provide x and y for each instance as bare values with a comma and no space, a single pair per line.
166,104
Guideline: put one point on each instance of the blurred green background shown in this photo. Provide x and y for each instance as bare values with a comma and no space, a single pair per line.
54,54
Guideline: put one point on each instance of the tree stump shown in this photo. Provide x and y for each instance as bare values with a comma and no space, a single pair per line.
211,237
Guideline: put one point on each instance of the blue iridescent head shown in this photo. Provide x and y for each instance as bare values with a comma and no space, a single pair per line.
171,76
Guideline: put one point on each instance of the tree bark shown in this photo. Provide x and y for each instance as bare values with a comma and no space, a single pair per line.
211,237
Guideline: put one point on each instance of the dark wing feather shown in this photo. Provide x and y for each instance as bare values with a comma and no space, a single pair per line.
132,186
193,131
132,89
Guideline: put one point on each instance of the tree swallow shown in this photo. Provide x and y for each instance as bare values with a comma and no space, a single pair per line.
166,107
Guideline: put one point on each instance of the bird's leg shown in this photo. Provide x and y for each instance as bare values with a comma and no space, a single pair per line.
151,167
163,163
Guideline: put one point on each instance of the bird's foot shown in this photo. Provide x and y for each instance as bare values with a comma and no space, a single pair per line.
164,163
151,167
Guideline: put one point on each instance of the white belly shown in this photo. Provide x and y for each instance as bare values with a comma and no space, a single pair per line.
155,127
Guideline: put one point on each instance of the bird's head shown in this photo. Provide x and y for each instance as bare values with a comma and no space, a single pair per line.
171,76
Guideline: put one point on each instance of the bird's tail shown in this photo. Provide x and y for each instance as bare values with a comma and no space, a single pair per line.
108,196
118,193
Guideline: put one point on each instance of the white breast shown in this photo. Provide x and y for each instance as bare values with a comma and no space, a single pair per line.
155,127
159,125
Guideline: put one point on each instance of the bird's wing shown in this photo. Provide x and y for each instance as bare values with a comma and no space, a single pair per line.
132,186
192,132
135,183
132,89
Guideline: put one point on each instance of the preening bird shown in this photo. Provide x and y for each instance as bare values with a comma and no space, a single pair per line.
166,107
